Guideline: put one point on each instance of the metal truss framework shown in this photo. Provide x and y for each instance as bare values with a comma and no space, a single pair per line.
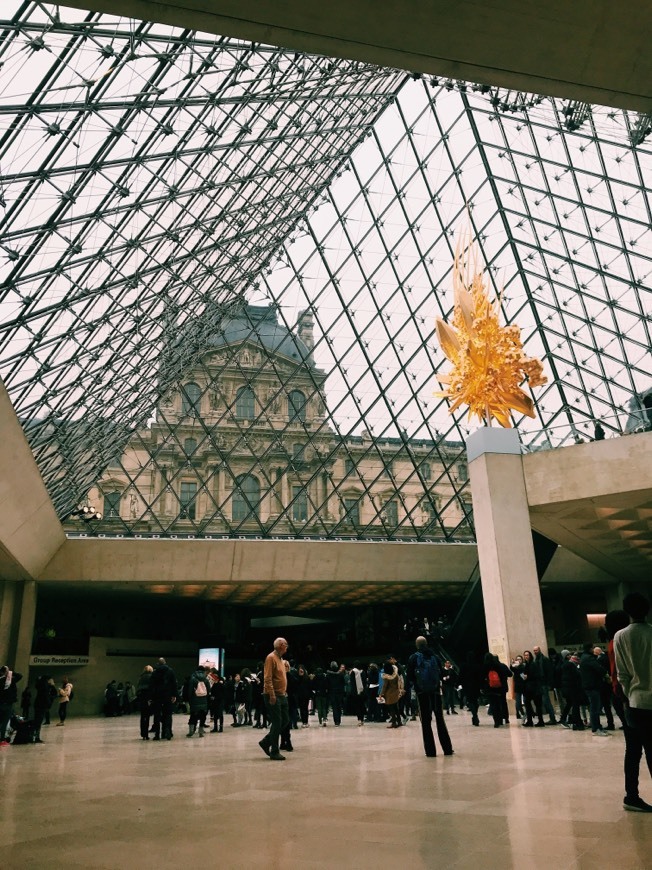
152,180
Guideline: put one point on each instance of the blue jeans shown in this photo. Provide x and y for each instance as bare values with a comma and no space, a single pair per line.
595,702
278,716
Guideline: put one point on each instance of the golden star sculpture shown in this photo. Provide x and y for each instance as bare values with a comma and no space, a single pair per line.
488,360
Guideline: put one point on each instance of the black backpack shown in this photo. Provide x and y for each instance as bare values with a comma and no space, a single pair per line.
426,673
24,729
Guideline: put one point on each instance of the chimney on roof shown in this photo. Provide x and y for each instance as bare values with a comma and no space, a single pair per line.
305,328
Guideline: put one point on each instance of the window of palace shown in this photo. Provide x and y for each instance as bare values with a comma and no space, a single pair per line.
426,471
349,467
190,400
387,469
246,497
298,452
245,403
299,504
188,499
390,513
351,511
430,509
112,505
462,472
189,446
296,406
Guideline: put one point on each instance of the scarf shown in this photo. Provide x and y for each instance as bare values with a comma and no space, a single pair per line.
359,687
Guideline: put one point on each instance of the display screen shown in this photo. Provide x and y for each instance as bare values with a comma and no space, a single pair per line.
212,657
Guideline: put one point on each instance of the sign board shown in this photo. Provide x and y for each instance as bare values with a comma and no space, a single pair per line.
59,661
498,646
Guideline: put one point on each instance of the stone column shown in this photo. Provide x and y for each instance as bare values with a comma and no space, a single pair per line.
26,629
510,586
8,591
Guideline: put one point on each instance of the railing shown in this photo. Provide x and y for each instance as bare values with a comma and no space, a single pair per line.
566,435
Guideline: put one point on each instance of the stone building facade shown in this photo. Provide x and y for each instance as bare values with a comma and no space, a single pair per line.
244,445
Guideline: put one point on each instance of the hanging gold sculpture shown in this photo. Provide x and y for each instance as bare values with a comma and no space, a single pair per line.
488,360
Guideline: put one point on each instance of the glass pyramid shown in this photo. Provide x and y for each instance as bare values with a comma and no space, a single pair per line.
221,263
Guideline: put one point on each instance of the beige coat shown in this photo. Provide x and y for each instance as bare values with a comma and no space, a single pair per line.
391,688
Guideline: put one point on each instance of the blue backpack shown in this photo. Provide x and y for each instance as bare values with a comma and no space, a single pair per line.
427,673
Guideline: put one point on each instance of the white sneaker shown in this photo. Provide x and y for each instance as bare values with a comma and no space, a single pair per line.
601,733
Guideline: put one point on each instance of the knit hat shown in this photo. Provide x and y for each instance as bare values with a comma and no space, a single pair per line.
565,653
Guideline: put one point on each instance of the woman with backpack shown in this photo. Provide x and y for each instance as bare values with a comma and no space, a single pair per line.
496,676
198,694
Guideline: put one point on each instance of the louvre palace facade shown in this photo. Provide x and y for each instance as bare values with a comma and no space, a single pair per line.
244,444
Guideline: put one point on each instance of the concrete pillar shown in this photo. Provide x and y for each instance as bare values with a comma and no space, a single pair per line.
510,587
26,629
8,591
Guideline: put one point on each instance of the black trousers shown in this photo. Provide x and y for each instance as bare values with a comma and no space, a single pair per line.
538,704
638,740
571,710
429,703
162,718
360,706
337,705
145,713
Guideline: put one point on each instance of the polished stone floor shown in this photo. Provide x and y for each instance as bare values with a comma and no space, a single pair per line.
96,796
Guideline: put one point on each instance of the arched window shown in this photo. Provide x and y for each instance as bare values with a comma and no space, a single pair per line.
296,406
190,400
189,446
425,470
246,496
245,402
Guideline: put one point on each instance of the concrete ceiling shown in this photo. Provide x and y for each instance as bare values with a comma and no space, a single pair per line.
296,575
596,501
590,50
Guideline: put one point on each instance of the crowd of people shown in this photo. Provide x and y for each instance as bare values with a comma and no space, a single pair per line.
27,728
573,689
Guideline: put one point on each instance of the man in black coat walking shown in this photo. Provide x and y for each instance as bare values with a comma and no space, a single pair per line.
163,691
